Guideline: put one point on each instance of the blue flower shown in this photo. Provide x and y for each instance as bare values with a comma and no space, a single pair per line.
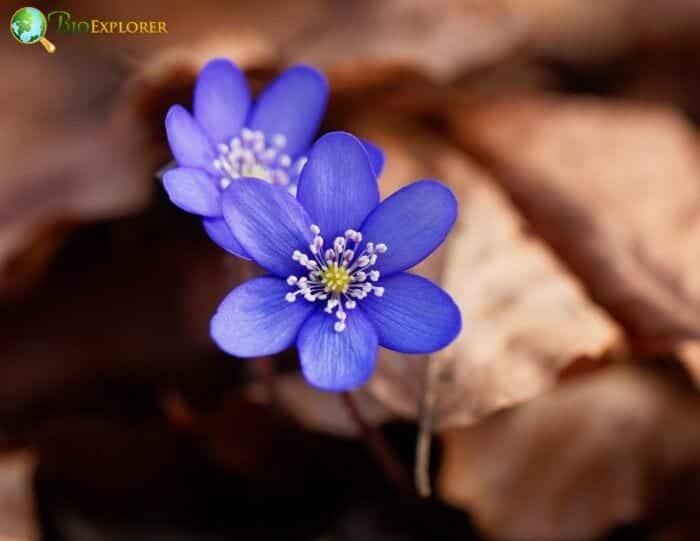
336,258
230,137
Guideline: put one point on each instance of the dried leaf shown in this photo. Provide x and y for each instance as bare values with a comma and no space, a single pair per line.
602,450
688,352
613,187
71,150
511,290
429,36
18,521
576,31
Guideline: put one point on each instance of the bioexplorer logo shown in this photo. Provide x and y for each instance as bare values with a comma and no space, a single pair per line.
28,25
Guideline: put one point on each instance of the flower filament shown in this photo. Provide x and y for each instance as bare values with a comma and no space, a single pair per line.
338,275
250,154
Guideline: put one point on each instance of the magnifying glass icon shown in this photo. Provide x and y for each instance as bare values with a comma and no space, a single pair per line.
28,26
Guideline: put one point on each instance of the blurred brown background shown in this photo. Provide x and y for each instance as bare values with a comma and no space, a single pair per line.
566,410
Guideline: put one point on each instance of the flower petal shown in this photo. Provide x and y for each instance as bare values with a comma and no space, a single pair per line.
268,222
337,186
414,315
412,223
255,319
375,155
292,105
192,190
221,234
188,143
337,361
221,100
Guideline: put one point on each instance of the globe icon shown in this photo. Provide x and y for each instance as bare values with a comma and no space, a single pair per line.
28,25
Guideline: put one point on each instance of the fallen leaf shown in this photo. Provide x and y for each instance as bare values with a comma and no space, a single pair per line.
71,150
600,451
431,37
588,32
614,188
18,520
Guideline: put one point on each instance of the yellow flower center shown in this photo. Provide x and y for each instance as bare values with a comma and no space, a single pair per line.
336,278
339,276
256,171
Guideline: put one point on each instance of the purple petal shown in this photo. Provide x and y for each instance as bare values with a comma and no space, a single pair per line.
221,100
337,187
412,223
268,222
337,361
414,315
255,319
192,190
187,141
375,155
219,232
292,105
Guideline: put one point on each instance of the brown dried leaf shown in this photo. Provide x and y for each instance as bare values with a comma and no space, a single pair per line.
602,450
613,187
511,291
688,352
71,149
576,31
441,38
18,521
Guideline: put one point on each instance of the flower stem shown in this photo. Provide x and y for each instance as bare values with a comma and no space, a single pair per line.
383,453
425,429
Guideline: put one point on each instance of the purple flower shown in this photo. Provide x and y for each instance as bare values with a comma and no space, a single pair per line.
336,258
230,137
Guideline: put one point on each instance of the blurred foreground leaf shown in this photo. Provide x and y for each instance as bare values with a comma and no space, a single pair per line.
603,450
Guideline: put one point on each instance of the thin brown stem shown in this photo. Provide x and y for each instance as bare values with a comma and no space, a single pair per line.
421,470
383,453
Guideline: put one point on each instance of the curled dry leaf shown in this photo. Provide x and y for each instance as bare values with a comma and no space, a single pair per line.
602,450
614,187
525,317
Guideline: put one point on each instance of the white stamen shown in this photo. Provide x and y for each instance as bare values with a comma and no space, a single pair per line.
339,326
251,154
338,276
279,140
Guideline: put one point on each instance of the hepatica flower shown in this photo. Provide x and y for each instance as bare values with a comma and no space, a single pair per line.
229,137
336,259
